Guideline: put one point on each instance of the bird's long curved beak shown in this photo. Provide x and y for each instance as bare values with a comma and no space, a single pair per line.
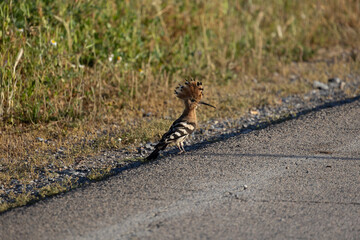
204,103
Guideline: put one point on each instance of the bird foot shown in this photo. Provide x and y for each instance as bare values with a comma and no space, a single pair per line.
181,152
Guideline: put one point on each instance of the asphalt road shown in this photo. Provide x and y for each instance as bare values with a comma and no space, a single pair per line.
302,181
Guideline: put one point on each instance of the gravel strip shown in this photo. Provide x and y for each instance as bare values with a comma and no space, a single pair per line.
112,162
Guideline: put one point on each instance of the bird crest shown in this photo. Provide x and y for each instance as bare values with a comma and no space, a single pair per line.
191,90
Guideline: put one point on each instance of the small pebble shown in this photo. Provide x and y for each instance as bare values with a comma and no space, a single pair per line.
334,82
320,85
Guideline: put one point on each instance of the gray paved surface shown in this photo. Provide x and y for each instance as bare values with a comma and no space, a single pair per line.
302,177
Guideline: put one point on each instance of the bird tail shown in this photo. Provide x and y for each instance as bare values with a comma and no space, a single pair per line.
153,155
160,146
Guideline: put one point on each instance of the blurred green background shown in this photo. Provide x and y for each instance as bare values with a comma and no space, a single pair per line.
84,59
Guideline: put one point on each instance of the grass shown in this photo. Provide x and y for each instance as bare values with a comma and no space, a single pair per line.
22,199
87,76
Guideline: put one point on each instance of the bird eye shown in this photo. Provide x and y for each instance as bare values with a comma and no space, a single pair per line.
192,100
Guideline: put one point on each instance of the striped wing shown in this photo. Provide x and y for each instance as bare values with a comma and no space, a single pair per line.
179,129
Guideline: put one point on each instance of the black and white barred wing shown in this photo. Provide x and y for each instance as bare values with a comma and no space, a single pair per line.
179,129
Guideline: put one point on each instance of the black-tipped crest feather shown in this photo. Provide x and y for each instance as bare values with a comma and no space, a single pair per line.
191,90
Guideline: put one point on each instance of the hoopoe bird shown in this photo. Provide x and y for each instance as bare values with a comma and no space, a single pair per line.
191,94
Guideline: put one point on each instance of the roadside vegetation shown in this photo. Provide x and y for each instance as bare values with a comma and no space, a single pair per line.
86,76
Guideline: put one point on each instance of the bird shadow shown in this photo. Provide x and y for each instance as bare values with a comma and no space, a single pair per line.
326,156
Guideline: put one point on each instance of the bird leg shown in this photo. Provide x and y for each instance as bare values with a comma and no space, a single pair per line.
180,147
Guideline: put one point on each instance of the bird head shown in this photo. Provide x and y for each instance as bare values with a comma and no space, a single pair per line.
191,93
